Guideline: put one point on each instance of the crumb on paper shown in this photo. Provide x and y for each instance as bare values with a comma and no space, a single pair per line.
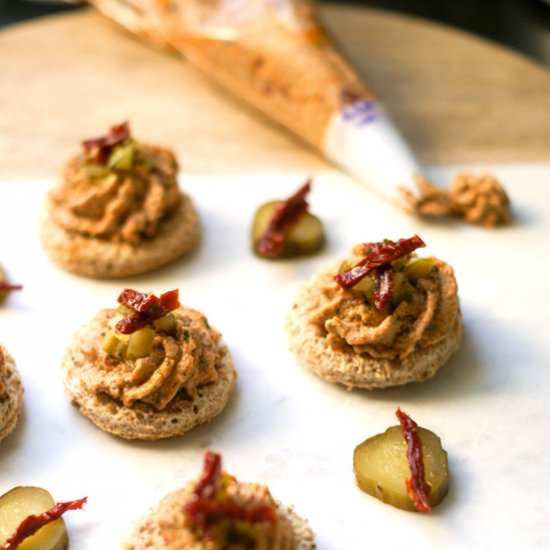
479,200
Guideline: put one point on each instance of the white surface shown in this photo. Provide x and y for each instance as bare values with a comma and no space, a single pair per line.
372,150
285,427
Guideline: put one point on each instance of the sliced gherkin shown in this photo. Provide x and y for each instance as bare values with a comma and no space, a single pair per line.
305,237
382,469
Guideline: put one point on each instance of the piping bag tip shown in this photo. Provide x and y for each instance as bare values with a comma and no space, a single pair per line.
363,140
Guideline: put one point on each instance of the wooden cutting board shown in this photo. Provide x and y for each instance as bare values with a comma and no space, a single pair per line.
456,98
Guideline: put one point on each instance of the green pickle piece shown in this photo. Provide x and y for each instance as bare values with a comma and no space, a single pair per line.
167,323
305,237
421,267
402,289
122,157
3,279
346,265
124,311
366,286
381,467
114,345
93,170
140,343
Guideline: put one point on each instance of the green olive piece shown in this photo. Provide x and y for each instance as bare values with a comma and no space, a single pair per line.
381,467
418,268
305,237
140,343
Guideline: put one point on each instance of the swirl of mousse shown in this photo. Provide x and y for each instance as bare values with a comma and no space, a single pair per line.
11,394
118,210
150,369
218,512
384,318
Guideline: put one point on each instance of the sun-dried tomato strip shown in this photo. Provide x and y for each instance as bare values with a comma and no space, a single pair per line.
385,286
147,308
8,286
417,488
170,300
206,509
138,301
205,513
379,255
99,149
286,215
212,468
30,525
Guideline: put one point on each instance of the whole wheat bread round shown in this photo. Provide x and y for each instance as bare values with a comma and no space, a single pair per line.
359,370
148,533
142,421
103,259
11,403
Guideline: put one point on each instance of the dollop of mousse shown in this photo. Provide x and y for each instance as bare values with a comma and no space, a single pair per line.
179,363
218,512
121,191
480,200
423,310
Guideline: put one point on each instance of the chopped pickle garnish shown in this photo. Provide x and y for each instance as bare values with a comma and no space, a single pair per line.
346,265
110,343
115,344
382,469
140,343
122,157
400,262
124,311
420,267
165,324
93,170
403,290
366,286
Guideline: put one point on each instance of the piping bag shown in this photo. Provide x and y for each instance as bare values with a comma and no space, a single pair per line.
274,55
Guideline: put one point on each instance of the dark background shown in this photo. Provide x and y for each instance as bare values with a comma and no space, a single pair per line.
523,25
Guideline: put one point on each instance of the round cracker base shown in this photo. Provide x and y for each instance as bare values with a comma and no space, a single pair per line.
360,371
142,421
147,533
12,407
102,259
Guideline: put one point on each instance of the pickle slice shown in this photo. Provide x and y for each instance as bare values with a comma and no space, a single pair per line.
381,467
3,279
21,502
305,237
140,343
